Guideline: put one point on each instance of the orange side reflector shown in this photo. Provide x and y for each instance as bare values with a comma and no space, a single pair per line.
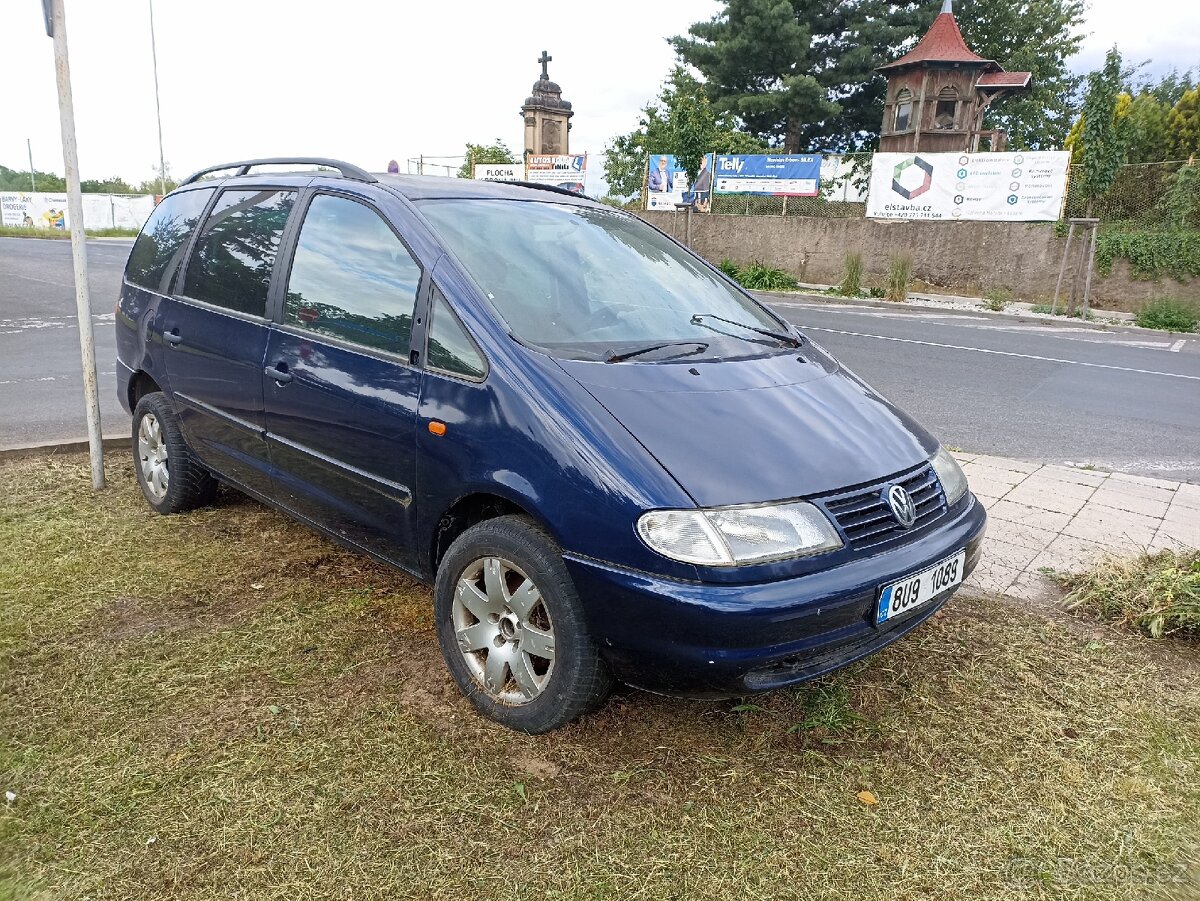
437,428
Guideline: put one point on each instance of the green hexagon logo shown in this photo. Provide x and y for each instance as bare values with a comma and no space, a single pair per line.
912,177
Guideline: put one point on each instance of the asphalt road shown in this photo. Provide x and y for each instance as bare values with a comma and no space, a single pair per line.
1119,399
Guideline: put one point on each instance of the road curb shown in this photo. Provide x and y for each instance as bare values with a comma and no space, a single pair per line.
806,297
113,442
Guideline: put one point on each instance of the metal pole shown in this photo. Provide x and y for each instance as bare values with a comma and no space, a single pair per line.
1062,268
162,165
66,115
1087,283
32,179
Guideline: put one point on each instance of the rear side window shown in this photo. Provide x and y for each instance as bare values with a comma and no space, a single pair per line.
163,241
451,350
231,266
352,278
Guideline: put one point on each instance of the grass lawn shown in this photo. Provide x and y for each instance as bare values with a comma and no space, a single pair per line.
225,705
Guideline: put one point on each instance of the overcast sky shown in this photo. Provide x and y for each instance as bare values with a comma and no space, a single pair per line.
371,81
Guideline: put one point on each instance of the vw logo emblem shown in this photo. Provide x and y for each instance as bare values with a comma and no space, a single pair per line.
902,506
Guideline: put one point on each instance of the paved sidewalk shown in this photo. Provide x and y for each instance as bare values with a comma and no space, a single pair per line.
1062,518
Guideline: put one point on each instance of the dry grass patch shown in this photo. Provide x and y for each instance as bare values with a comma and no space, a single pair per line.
1157,593
225,705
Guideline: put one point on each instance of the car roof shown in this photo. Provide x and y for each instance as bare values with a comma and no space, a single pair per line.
428,187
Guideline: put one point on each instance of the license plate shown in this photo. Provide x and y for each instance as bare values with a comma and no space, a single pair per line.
915,590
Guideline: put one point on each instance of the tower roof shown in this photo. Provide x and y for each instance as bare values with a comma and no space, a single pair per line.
943,44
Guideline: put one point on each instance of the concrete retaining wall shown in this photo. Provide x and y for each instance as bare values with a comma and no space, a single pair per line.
958,257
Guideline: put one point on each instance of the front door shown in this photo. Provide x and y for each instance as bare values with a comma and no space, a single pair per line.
340,395
214,333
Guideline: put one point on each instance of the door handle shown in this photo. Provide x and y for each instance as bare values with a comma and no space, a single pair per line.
173,337
279,372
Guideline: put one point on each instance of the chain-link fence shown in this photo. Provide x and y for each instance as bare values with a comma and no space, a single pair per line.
1142,195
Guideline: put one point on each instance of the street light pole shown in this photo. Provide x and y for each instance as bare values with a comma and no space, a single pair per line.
87,348
32,179
162,166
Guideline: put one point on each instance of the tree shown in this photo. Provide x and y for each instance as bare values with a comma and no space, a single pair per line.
113,185
18,180
482,154
1183,126
799,73
682,122
1103,135
1146,122
1035,36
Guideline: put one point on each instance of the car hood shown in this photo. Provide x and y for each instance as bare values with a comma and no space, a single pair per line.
746,431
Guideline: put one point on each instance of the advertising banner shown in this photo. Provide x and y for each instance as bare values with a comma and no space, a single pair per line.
42,210
1013,187
499,172
667,184
23,210
561,171
779,175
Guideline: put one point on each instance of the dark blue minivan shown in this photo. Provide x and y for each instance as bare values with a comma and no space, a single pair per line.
608,458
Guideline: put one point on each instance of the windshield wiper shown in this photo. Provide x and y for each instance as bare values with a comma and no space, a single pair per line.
698,319
700,345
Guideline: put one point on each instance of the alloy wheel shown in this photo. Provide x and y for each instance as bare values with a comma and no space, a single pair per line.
152,455
503,630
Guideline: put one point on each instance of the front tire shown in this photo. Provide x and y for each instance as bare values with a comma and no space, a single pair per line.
512,630
171,478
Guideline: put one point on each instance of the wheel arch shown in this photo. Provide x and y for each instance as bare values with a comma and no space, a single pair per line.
139,386
471,509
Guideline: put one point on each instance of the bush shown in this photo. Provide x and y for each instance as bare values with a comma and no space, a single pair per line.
851,285
1158,594
760,277
1169,314
997,299
730,268
898,276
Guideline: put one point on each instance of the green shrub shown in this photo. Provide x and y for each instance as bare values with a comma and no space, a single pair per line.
1158,593
851,285
898,277
761,277
996,299
1169,314
730,268
1151,254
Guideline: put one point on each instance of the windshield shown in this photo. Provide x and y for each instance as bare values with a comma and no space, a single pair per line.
592,284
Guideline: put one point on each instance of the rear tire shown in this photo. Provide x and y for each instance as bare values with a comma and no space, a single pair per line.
171,477
512,629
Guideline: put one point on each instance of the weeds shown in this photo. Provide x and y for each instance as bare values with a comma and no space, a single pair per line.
759,276
997,299
899,275
1169,314
851,285
1158,593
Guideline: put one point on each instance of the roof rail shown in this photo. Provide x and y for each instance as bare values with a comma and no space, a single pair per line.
348,170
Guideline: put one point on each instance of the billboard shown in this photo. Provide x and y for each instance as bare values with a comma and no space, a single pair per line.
22,209
1013,187
667,185
790,175
563,171
499,172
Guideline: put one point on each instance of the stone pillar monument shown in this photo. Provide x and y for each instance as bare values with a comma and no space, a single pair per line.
547,116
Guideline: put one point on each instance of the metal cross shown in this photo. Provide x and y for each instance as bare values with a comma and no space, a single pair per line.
543,59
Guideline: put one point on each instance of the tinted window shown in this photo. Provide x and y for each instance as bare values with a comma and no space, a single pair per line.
231,266
450,350
164,238
351,277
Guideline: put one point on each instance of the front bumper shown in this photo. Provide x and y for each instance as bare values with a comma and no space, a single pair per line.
716,640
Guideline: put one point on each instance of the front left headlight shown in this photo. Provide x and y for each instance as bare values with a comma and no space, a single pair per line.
739,536
950,474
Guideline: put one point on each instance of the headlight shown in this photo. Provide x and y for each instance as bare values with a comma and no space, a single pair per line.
737,536
950,474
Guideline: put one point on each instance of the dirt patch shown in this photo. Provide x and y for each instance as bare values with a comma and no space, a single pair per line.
536,767
133,618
